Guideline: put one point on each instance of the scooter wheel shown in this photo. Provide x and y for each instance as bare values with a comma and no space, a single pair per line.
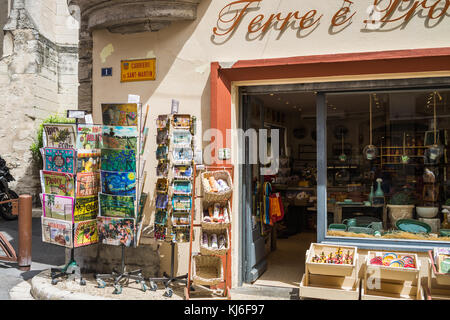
168,293
153,286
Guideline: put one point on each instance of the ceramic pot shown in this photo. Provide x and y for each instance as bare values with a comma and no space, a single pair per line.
398,212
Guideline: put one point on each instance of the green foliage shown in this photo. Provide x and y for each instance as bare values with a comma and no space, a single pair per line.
447,202
39,142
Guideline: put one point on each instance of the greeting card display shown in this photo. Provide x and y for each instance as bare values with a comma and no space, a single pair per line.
57,232
120,114
162,152
118,160
86,208
60,184
116,231
87,184
88,161
119,137
118,183
85,233
162,136
162,169
59,160
161,231
60,136
161,217
116,206
181,121
182,137
57,207
181,203
182,172
183,187
162,121
162,200
182,155
88,137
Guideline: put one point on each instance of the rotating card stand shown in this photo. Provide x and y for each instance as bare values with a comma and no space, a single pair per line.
122,277
181,202
71,269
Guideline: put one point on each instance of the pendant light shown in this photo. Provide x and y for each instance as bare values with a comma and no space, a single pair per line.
370,152
404,158
343,156
435,151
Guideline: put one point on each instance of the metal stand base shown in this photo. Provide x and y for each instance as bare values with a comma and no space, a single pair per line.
167,280
121,278
72,270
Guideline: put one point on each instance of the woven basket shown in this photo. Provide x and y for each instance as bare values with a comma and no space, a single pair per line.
207,270
219,252
217,196
217,225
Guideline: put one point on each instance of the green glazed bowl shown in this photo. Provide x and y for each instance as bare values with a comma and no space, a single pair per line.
444,232
413,226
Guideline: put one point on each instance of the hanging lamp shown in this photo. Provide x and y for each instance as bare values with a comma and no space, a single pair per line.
435,151
370,152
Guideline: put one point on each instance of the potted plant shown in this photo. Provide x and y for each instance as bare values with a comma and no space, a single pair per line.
446,205
401,206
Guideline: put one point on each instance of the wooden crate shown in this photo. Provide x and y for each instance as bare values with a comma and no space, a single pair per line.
392,291
391,283
342,270
442,279
435,289
327,288
393,273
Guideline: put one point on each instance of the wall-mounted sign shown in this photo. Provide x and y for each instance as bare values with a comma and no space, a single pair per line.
138,70
106,72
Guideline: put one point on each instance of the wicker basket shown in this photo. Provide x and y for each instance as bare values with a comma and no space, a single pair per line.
217,196
217,225
207,270
219,252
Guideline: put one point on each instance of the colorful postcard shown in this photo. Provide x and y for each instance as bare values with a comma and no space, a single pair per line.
57,232
89,136
88,161
118,183
119,137
59,160
120,114
181,121
118,160
60,136
60,184
182,137
86,208
162,169
57,207
88,184
116,231
116,206
86,233
162,136
162,121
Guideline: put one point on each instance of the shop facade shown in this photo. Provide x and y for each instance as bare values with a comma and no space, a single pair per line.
234,49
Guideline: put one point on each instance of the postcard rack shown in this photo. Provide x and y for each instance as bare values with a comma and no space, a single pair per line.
208,269
122,176
69,198
174,187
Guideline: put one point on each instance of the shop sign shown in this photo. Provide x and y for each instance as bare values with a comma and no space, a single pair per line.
379,15
138,70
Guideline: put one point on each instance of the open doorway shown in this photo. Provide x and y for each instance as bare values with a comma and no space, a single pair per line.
279,205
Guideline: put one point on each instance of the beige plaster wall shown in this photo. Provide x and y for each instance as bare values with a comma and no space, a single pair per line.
185,50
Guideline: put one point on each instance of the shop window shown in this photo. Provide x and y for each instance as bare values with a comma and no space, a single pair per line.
388,165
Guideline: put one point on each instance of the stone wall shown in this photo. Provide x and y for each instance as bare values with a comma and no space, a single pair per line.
38,78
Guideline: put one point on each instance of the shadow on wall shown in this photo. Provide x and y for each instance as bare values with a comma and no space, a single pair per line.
3,19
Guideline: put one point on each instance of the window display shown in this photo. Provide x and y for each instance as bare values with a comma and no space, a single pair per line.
388,162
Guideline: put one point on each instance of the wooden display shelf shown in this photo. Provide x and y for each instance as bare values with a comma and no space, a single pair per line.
340,270
438,284
392,291
330,288
390,283
330,281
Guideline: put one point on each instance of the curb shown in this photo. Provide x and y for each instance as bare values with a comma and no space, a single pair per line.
22,291
42,289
